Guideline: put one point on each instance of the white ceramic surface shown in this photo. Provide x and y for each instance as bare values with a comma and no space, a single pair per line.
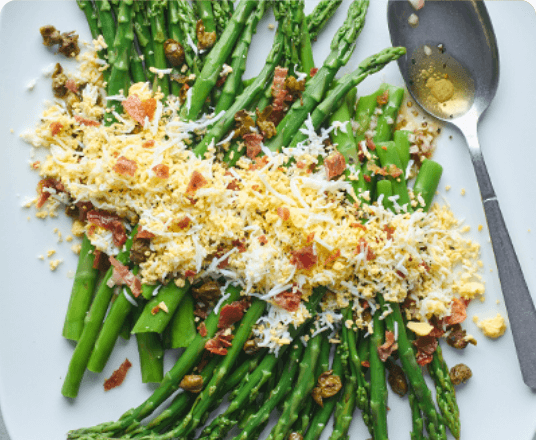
494,405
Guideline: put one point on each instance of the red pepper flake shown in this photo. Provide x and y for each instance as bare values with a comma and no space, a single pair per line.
304,258
44,195
231,313
36,164
110,222
70,84
263,240
196,181
335,165
400,274
134,107
284,213
458,312
258,163
148,144
426,267
426,346
385,350
85,121
370,144
144,234
383,98
301,164
365,364
253,144
149,107
155,310
313,71
289,300
55,128
125,166
118,376
202,329
161,171
184,222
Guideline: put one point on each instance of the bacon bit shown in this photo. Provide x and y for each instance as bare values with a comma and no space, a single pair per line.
289,300
457,312
231,313
426,346
219,343
233,185
383,98
400,274
437,330
36,164
70,84
385,350
301,164
84,121
359,226
221,81
365,364
385,149
253,144
184,222
310,238
110,222
121,275
202,329
148,144
394,171
155,310
118,376
144,234
125,166
370,144
134,107
313,71
335,165
190,273
333,256
161,171
280,95
259,162
55,128
304,258
240,244
369,253
389,231
426,267
367,178
98,256
83,209
263,240
149,107
44,195
196,181
284,213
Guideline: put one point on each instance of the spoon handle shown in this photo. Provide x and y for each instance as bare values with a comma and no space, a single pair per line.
516,294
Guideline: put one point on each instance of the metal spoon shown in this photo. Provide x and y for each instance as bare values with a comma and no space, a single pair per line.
456,38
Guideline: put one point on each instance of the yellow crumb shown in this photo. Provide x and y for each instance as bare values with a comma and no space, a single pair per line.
466,228
480,227
11,130
54,264
76,248
69,238
493,327
271,26
462,192
498,302
420,328
179,282
447,188
50,252
41,214
78,228
41,257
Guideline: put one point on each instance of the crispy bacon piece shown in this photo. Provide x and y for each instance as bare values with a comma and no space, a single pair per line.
231,313
280,95
394,171
310,237
389,230
70,84
365,364
263,240
149,107
304,258
85,121
367,178
253,144
219,343
333,256
97,261
184,222
196,181
426,346
233,185
313,71
134,107
363,245
370,144
258,163
148,144
190,273
202,329
110,222
161,171
125,166
118,376
289,300
144,234
386,349
284,213
383,98
55,128
122,275
458,312
44,195
240,244
335,165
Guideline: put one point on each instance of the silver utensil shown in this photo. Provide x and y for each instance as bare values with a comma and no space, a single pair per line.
452,71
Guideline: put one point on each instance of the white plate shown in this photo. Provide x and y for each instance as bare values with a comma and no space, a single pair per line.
495,404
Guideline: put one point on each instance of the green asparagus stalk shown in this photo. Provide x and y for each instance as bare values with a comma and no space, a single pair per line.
183,323
214,61
401,139
142,29
378,386
221,15
384,187
84,347
387,119
155,11
366,106
417,422
204,12
151,353
322,12
107,26
342,47
82,293
388,155
427,182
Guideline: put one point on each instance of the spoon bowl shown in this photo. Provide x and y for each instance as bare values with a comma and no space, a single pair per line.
451,69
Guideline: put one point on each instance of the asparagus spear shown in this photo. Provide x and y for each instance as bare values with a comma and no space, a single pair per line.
221,15
155,11
378,386
151,353
182,324
213,62
82,293
342,47
322,12
204,12
142,28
